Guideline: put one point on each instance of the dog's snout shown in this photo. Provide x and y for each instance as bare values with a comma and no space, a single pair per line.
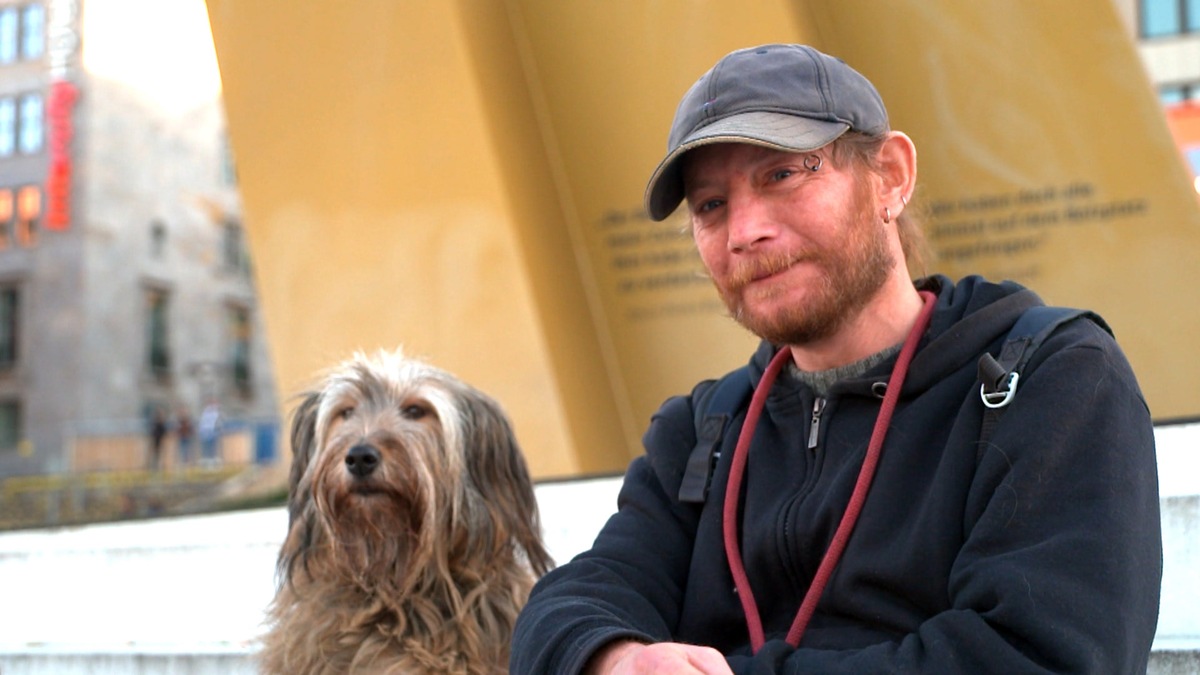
362,460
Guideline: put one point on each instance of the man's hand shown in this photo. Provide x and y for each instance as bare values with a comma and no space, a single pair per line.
635,658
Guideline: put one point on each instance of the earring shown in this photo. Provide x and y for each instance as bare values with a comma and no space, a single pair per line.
813,162
887,215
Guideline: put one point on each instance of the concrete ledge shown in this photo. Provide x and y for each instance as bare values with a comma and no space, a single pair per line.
186,595
1178,618
1167,661
1172,661
113,663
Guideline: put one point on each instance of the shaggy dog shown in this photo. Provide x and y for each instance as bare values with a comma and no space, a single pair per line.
413,535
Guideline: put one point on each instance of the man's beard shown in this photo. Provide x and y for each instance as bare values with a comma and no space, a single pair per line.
851,275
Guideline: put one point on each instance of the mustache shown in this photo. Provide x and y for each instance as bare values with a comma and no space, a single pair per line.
765,265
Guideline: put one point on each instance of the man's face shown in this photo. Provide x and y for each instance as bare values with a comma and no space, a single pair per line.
794,253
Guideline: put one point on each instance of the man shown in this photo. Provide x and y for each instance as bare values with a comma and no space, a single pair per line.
859,517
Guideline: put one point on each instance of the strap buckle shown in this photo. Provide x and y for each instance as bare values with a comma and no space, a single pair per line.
1003,394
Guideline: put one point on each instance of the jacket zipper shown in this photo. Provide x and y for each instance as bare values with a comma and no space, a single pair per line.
814,430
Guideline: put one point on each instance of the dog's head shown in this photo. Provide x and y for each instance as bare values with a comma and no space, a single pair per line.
399,466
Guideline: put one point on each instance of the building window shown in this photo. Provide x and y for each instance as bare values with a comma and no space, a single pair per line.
22,32
9,325
10,425
20,216
33,32
1162,18
22,124
32,127
239,342
8,35
1192,157
233,252
29,215
1174,94
8,126
158,349
7,214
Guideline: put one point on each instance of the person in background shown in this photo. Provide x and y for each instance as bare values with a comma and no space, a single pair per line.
185,434
209,428
158,434
859,515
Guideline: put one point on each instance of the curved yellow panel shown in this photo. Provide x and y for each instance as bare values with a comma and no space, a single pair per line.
377,205
465,178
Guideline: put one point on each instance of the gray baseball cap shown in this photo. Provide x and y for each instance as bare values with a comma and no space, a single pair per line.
783,96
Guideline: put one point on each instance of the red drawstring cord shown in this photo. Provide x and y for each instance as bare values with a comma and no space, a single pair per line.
733,491
842,535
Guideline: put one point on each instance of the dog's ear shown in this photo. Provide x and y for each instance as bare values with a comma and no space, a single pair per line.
498,470
304,431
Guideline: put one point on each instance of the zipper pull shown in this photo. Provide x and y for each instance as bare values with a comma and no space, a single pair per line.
814,430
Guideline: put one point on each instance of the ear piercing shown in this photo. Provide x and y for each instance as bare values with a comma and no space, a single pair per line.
887,213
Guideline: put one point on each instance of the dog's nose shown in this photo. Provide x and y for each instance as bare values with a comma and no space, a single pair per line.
362,459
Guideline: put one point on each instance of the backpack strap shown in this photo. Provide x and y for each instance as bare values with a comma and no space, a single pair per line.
713,408
1001,376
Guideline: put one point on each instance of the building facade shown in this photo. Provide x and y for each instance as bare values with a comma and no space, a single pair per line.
1168,36
125,283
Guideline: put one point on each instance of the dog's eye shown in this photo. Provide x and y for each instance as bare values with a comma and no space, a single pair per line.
414,411
346,413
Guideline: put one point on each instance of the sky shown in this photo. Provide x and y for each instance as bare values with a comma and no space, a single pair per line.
158,47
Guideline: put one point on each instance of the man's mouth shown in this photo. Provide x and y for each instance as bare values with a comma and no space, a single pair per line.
765,269
766,274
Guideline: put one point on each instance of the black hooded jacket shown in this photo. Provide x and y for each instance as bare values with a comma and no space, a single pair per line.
1040,554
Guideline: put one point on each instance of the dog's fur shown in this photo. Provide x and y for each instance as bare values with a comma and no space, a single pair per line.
413,536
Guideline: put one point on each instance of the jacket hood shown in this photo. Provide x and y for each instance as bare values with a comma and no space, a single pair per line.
968,318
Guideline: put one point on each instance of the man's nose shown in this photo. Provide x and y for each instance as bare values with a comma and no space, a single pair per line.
749,224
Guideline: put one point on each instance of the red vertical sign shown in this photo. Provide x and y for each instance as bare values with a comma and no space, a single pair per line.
58,180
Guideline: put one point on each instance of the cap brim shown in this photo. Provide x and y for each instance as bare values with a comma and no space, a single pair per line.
789,133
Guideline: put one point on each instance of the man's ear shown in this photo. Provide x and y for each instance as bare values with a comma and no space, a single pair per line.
898,171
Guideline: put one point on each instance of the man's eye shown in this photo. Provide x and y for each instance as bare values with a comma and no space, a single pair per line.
709,205
781,174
